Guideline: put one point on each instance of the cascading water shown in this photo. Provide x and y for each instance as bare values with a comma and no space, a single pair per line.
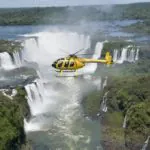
146,143
123,56
127,54
6,61
115,55
131,56
17,59
104,103
125,122
137,55
105,82
55,102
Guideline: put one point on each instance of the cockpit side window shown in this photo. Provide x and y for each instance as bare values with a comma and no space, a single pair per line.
60,63
71,64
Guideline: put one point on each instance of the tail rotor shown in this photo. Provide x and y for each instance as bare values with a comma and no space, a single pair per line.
108,58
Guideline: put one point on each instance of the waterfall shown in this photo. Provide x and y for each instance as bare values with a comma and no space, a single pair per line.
43,95
17,59
123,56
37,98
127,54
133,55
104,103
55,102
6,62
137,55
146,143
48,46
115,55
91,67
98,48
105,82
124,122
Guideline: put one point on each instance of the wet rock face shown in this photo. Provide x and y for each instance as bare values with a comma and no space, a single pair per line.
10,46
110,145
133,146
148,146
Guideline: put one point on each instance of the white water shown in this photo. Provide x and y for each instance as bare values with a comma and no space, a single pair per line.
51,44
126,54
105,82
17,59
146,143
10,96
6,61
39,97
104,103
55,102
125,122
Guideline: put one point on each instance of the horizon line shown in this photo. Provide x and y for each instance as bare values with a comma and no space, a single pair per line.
45,6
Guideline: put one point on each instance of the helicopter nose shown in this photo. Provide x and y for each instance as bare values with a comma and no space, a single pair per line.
54,65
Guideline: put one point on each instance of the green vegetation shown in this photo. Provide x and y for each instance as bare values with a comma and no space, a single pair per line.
138,123
12,113
139,27
117,45
9,46
91,107
28,16
57,15
22,101
128,86
113,127
129,96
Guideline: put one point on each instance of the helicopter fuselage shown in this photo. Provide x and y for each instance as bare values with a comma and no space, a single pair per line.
74,63
68,63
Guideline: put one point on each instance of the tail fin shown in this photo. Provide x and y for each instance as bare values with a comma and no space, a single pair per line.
108,58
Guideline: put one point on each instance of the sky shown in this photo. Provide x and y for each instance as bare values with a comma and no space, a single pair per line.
42,3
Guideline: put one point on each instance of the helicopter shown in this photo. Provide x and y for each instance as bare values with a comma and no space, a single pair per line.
72,62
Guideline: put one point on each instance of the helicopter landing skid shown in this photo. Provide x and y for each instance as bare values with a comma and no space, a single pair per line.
65,76
65,71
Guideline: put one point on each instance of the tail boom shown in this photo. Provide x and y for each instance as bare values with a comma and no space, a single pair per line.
108,59
93,60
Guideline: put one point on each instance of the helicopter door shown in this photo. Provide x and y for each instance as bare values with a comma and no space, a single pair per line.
66,65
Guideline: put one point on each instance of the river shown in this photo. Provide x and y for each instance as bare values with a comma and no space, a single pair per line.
58,121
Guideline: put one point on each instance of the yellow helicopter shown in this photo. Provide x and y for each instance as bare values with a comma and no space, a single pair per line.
72,62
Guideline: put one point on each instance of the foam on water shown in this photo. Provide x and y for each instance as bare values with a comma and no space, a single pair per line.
44,52
55,102
6,61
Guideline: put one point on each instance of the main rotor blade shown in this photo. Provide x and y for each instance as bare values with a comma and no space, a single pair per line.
78,51
64,51
86,54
